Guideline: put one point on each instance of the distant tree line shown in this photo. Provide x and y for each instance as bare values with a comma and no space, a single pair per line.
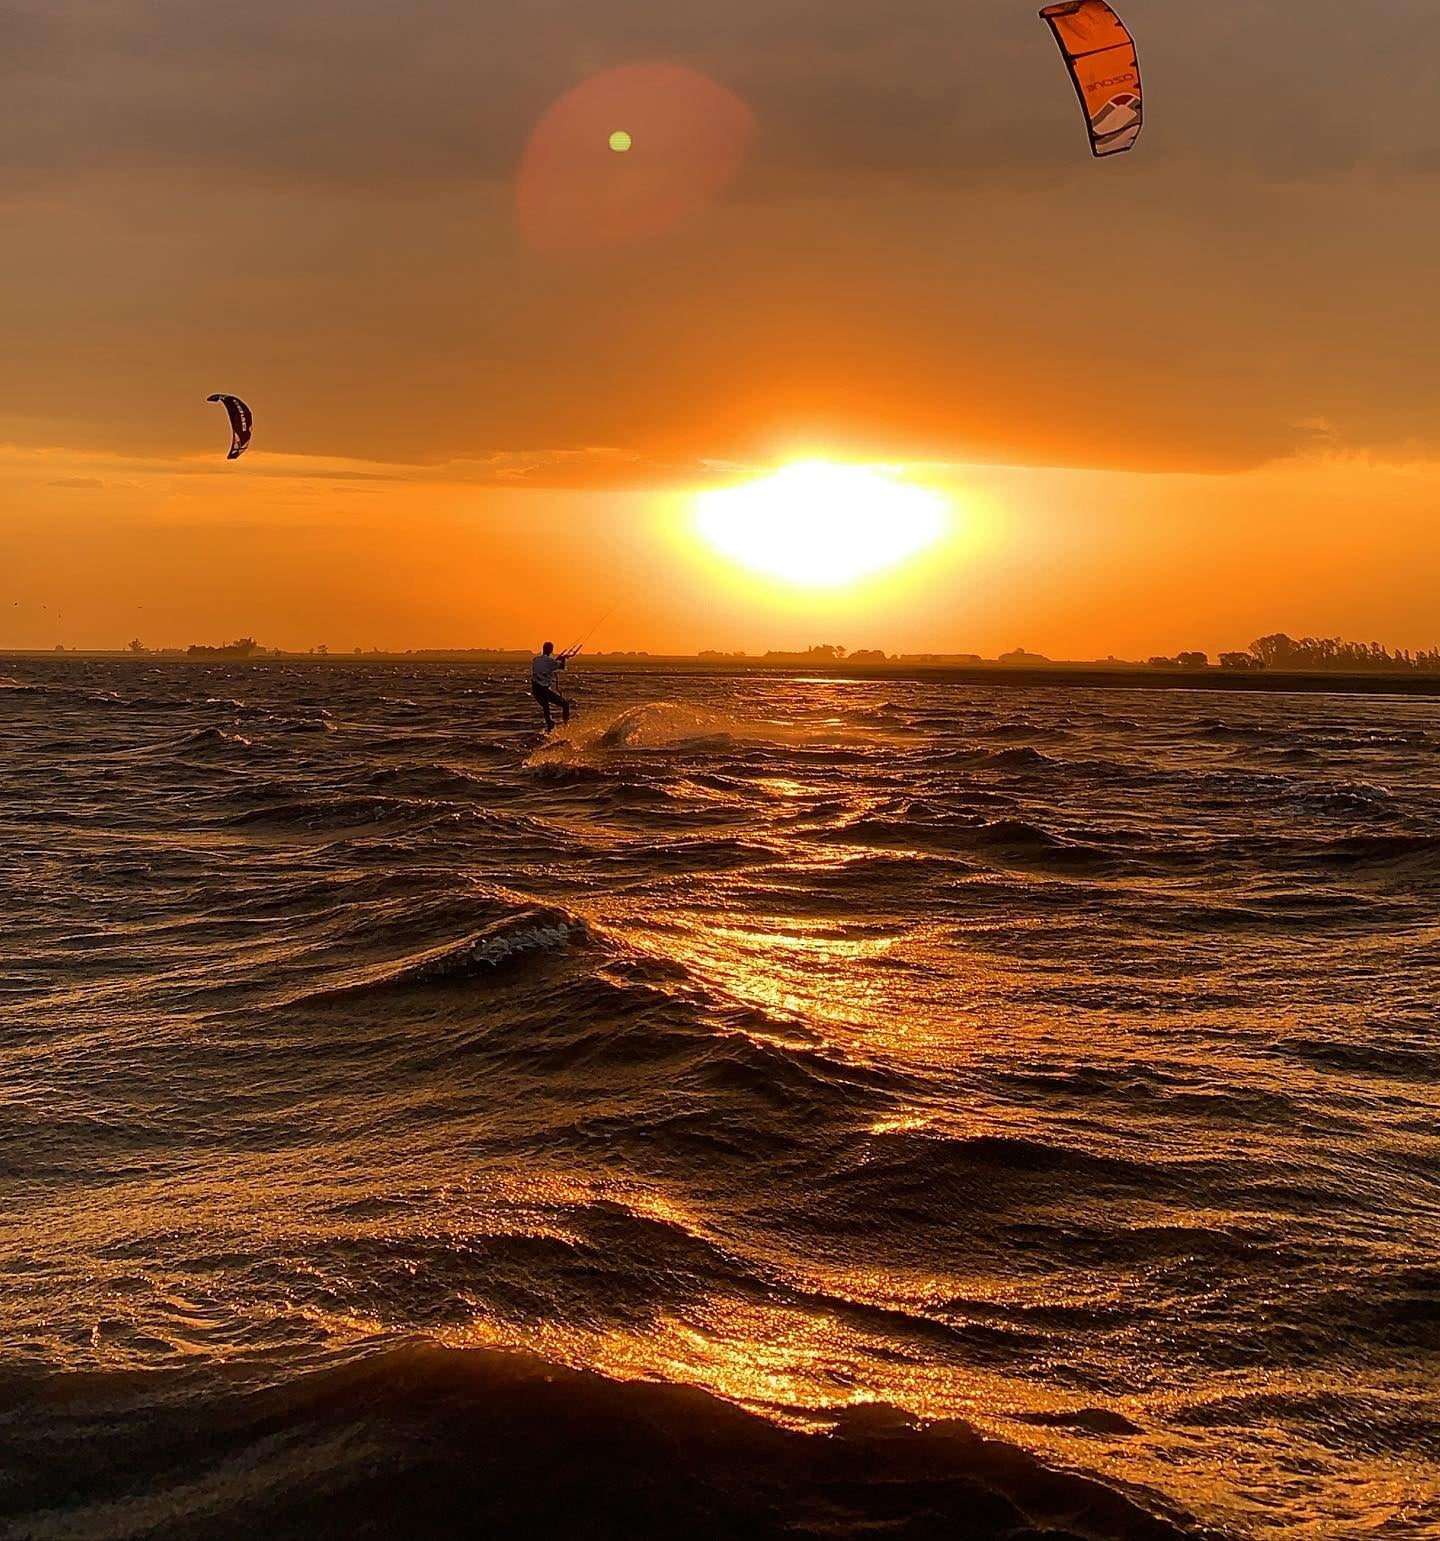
1332,653
822,652
1321,655
1189,661
242,647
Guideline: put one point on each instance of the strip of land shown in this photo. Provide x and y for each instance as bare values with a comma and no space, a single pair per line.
1078,676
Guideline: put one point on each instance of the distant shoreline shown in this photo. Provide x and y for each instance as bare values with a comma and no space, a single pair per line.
1083,676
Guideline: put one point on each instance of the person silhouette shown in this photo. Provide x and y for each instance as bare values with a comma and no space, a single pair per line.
543,669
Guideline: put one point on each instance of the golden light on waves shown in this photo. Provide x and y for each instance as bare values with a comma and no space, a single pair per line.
820,524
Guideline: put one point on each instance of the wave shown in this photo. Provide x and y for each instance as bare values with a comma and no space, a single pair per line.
1364,853
861,874
1019,732
1215,727
1398,1061
919,1165
1361,796
1015,840
321,724
529,931
215,738
113,698
1383,849
426,779
423,1441
1024,757
1360,738
322,813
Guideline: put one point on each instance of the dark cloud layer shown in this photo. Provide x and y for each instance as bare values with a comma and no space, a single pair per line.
374,91
310,202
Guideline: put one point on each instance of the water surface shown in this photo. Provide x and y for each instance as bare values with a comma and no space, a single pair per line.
1062,1062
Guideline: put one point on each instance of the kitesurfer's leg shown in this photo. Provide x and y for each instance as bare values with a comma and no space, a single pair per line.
549,697
542,696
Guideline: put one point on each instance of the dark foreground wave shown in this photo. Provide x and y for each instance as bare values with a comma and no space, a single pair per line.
424,1442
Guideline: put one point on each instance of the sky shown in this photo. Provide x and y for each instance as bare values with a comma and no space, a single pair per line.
1175,399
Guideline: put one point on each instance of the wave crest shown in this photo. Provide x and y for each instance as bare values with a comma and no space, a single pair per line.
533,930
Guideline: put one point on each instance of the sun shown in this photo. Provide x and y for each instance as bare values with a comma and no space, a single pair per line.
821,524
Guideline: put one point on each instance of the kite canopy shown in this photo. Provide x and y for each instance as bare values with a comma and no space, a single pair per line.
1100,55
240,421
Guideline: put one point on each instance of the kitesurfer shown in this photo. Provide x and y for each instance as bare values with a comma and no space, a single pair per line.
543,669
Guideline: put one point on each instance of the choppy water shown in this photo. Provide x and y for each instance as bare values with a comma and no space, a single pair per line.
1062,1063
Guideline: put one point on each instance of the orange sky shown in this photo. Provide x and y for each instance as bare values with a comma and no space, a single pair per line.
1176,399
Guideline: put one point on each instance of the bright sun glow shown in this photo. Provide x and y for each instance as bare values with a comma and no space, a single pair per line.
817,523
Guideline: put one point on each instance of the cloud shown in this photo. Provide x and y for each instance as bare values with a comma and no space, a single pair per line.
375,95
312,204
596,467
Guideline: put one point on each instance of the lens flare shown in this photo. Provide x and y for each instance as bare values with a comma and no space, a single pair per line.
579,186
